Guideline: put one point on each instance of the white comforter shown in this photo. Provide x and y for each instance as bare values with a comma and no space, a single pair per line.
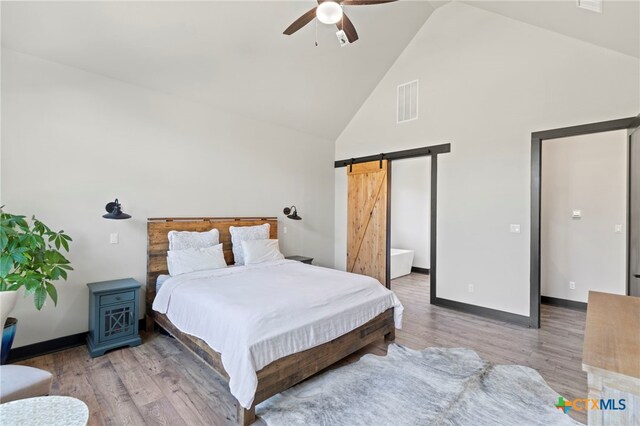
254,315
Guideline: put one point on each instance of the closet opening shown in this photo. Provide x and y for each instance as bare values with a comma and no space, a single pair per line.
585,213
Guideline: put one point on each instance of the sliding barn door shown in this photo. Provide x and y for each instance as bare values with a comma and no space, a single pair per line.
367,219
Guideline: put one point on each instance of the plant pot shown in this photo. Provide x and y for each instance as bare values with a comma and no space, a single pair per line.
8,333
7,303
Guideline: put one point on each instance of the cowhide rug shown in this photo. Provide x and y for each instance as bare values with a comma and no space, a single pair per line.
435,386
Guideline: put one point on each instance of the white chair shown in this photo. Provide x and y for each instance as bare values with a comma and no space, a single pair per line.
19,381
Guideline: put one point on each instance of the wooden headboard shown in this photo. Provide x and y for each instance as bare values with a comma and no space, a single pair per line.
158,242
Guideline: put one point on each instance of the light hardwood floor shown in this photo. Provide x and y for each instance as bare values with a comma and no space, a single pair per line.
159,382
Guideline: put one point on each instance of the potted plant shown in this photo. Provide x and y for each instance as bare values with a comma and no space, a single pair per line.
31,258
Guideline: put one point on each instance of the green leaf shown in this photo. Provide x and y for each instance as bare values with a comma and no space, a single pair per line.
31,284
14,287
53,293
64,243
21,223
55,273
4,239
6,265
40,296
38,241
18,257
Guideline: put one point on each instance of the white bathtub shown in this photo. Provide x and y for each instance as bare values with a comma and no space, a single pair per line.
401,262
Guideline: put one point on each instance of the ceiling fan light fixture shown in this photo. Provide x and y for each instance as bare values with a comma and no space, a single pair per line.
329,12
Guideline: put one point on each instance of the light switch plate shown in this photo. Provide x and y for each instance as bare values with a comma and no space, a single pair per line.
514,228
113,238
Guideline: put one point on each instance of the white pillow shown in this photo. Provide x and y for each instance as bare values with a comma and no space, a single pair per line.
259,251
246,233
195,259
180,240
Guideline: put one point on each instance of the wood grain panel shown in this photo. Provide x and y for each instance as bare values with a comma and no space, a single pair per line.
611,356
367,219
612,336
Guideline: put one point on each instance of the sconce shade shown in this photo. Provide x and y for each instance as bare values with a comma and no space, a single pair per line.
114,211
292,213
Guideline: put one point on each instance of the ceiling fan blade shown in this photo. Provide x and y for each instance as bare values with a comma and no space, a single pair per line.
347,26
364,2
301,22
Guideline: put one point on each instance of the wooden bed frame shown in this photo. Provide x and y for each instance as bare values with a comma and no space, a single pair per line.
280,374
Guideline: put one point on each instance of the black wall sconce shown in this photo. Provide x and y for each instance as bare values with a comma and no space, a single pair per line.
292,213
114,211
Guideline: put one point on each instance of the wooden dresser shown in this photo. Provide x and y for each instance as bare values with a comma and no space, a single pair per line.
611,357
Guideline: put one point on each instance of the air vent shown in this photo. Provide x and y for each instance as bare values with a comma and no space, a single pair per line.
408,101
592,5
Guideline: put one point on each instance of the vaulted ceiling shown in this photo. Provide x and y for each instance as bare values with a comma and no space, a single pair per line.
232,54
227,54
617,27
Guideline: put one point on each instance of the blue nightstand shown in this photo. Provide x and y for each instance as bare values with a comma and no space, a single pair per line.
113,315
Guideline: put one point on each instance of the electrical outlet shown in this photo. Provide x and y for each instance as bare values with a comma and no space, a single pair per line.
618,229
113,238
284,230
572,285
514,228
471,288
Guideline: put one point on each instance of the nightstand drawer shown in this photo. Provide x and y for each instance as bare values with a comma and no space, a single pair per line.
109,299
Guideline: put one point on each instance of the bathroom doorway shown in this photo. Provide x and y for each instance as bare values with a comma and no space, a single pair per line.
410,198
357,225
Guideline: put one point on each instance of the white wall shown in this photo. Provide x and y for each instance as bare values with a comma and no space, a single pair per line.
72,141
486,83
410,204
586,173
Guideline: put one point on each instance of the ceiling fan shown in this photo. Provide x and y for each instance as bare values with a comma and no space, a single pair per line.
330,12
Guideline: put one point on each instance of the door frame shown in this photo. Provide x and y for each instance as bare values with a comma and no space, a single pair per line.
634,127
427,151
537,138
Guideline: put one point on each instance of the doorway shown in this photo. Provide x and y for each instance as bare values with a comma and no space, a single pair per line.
410,212
537,140
385,161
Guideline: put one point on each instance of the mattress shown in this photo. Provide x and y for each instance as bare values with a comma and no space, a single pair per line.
160,280
253,315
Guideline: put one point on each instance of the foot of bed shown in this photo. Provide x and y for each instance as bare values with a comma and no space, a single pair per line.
390,335
246,417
